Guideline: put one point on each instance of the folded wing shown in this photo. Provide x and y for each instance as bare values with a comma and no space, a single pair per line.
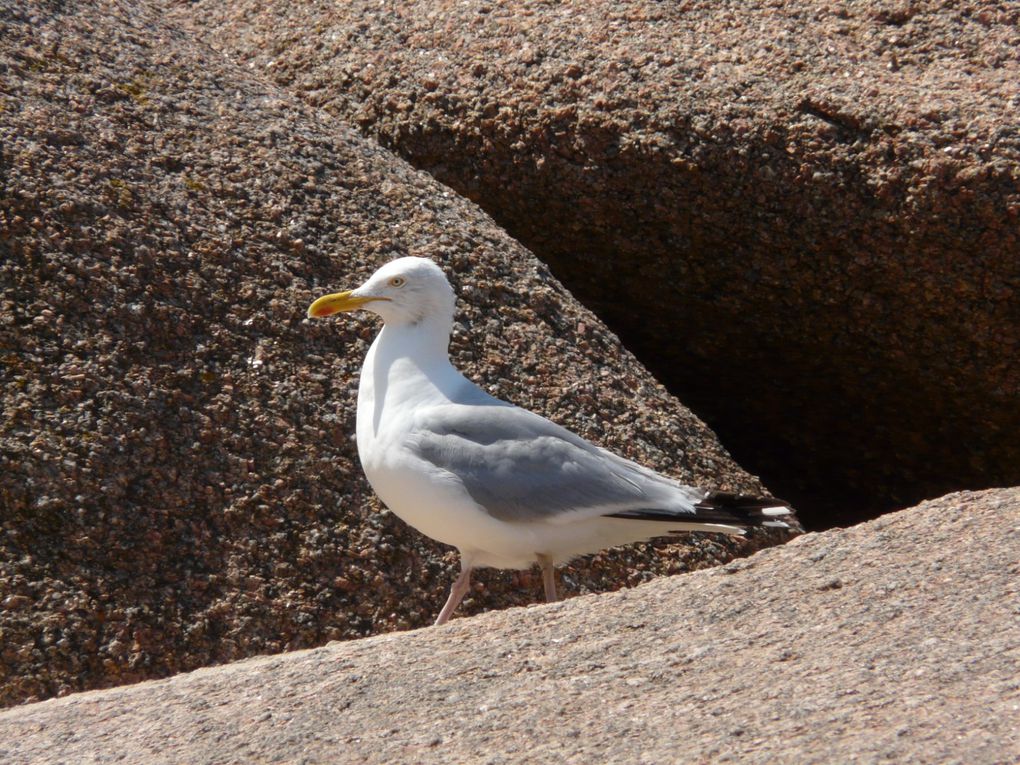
521,467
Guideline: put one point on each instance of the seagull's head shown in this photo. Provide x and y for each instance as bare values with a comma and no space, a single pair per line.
404,291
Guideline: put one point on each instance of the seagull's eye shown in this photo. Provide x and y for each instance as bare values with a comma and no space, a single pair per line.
397,281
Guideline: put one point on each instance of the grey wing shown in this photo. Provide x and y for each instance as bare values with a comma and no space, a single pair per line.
519,466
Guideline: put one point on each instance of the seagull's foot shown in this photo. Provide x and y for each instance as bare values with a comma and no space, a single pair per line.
457,592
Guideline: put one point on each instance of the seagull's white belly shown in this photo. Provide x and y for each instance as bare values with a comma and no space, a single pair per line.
435,507
436,504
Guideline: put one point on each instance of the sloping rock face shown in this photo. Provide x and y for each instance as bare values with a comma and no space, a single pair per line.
804,217
894,641
178,480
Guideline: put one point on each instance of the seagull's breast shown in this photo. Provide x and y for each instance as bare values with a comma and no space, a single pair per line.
392,391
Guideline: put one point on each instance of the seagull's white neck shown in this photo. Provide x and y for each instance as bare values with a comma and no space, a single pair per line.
407,365
426,341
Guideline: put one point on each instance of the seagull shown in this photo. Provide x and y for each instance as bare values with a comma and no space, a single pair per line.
505,486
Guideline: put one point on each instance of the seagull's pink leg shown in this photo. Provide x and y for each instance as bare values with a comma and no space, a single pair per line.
548,577
457,592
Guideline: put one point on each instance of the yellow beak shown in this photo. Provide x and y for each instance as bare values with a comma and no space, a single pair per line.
339,302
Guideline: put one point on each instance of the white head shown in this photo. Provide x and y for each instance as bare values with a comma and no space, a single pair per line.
405,291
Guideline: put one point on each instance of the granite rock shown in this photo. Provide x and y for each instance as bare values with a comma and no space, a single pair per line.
893,641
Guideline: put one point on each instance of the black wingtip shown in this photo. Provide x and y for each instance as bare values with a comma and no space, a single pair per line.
727,509
746,510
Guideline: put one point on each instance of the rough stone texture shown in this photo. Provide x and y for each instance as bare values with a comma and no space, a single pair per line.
895,641
806,206
178,483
